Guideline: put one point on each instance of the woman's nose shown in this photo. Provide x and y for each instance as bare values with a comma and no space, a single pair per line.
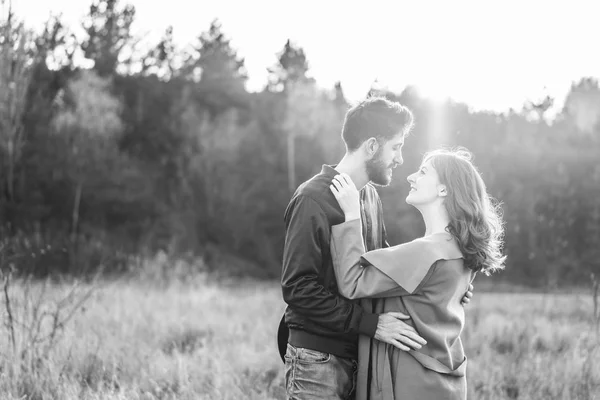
410,178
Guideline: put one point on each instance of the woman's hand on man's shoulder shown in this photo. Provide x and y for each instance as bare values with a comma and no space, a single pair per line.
347,196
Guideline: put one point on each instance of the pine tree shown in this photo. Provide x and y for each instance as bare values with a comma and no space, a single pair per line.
219,72
291,67
108,32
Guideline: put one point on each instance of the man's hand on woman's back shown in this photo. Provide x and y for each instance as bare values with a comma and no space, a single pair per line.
391,329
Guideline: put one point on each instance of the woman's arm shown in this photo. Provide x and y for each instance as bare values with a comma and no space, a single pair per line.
356,278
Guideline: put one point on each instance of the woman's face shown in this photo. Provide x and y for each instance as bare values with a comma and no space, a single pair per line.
425,186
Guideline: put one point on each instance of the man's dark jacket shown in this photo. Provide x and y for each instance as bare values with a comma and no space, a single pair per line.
317,317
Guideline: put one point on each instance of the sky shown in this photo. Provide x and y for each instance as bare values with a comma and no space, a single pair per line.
492,55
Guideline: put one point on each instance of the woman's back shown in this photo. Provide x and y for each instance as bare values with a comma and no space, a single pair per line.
438,368
435,310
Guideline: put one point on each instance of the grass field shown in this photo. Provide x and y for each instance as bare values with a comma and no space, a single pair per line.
201,340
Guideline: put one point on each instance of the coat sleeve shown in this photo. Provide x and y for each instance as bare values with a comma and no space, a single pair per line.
355,276
307,231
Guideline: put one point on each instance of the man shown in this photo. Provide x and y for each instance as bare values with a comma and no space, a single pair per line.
321,347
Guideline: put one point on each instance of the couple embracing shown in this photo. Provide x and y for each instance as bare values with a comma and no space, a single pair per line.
366,320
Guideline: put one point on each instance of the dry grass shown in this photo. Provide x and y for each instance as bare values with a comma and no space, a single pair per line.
198,340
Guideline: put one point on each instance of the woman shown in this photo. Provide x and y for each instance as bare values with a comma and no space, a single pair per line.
425,278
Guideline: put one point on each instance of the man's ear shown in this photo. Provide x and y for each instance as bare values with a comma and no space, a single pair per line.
371,145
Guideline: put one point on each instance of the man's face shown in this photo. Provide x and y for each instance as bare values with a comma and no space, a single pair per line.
387,157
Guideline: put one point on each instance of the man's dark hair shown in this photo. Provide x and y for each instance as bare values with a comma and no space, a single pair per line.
375,117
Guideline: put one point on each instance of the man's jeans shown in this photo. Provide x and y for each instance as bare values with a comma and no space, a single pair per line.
310,374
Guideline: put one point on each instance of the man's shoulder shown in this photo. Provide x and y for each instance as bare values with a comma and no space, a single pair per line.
315,194
316,188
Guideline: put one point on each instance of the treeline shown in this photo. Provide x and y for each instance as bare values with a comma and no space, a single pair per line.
166,150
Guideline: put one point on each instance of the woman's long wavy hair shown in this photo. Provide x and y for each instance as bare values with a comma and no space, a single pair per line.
475,218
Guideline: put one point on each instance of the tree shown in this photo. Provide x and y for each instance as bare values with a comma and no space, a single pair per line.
108,32
310,114
218,71
291,67
300,96
89,123
160,60
582,105
15,77
539,108
220,174
589,224
339,97
56,46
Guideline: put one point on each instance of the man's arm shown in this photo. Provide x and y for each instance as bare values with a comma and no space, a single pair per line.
307,228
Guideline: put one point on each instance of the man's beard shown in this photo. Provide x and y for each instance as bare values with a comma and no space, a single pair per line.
377,170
